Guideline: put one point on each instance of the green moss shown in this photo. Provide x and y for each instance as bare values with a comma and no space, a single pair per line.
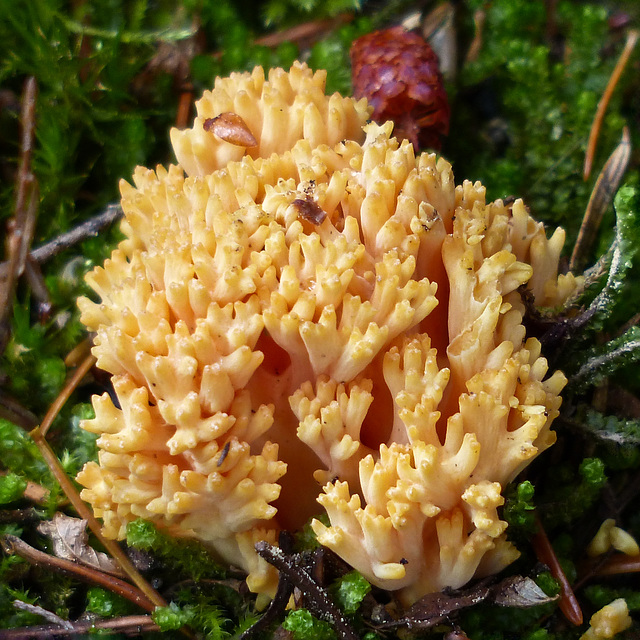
569,496
527,113
19,453
188,558
519,508
107,604
350,590
12,487
303,626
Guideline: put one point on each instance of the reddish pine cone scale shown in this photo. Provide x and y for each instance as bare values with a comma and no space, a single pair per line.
398,73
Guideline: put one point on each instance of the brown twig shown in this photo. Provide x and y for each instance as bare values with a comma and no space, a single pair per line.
64,395
23,516
632,38
568,603
39,291
28,122
277,606
78,353
87,229
22,225
184,106
49,616
15,545
125,624
316,598
605,188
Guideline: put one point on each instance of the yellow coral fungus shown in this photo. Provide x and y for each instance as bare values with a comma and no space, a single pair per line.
258,348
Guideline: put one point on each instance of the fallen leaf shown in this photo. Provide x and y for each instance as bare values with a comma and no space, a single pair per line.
70,541
231,128
520,592
310,211
434,608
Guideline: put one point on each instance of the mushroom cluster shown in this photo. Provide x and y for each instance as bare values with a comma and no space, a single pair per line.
319,316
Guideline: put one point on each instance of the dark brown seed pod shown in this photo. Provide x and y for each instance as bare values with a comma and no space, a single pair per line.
231,128
398,73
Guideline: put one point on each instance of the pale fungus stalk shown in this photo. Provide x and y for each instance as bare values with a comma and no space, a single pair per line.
319,308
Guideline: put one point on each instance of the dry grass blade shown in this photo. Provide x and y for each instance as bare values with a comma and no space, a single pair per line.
64,395
78,354
605,188
632,38
479,17
439,29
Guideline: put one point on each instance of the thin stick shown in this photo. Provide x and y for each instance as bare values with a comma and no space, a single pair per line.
87,229
568,602
78,353
85,512
125,624
21,227
606,185
38,287
49,616
184,107
632,38
16,545
65,394
316,599
28,121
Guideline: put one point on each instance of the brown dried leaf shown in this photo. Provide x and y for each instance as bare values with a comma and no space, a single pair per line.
70,541
310,211
231,128
434,608
520,592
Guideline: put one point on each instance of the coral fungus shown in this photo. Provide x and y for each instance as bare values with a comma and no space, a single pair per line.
320,318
